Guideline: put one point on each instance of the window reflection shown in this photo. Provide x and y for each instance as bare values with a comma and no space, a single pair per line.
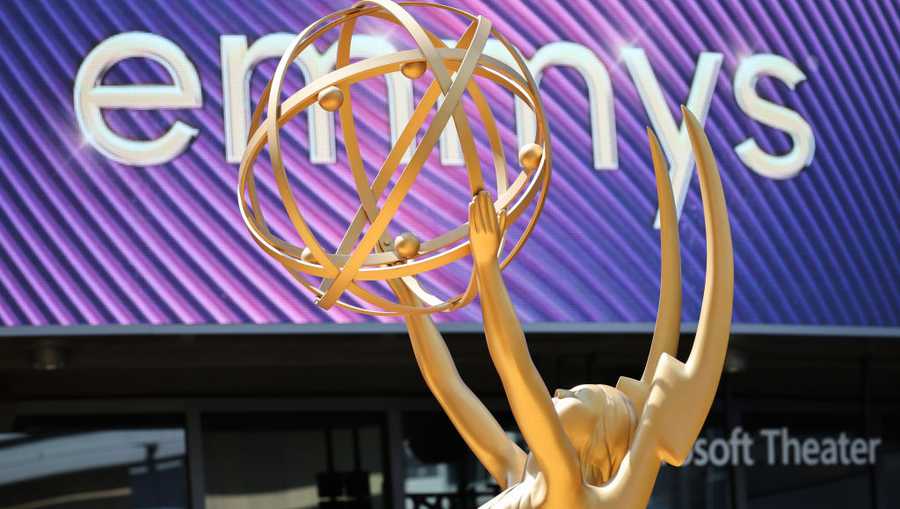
105,469
293,461
441,472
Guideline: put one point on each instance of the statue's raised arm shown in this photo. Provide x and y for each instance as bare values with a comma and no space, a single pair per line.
528,396
501,457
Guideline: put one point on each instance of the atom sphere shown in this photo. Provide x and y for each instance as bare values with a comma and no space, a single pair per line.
368,252
530,156
413,70
307,256
406,245
330,99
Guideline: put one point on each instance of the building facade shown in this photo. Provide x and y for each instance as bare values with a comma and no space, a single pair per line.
312,420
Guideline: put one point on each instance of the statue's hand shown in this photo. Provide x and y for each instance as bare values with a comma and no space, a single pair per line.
484,229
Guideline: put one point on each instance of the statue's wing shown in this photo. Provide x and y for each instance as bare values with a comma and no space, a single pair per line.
686,390
681,394
676,398
668,315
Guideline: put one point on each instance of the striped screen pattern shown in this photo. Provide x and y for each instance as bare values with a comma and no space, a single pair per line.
87,241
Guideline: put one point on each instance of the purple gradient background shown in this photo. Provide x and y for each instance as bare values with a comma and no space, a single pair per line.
84,240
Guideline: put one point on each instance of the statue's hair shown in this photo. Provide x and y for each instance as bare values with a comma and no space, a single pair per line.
606,448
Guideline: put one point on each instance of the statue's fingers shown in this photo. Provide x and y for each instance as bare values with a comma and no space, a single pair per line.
487,213
483,199
473,215
478,211
492,212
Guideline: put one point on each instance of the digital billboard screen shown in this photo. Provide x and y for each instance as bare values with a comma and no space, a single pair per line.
124,122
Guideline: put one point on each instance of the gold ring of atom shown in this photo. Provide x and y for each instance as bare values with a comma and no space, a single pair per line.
371,258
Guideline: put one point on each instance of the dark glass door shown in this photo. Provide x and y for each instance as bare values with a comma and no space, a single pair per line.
294,461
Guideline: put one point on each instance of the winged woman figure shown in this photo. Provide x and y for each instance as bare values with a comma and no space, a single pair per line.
591,446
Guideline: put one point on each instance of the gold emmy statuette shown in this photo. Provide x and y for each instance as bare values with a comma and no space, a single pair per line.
592,446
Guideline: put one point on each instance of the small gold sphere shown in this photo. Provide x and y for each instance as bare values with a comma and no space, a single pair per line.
530,156
406,245
331,98
307,256
413,70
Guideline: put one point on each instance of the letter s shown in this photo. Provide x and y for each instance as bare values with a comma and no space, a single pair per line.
773,115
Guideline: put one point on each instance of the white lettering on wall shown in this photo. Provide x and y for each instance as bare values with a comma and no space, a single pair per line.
91,97
748,74
600,100
674,139
238,62
784,449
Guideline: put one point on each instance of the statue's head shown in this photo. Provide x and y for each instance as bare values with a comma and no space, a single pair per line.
599,421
